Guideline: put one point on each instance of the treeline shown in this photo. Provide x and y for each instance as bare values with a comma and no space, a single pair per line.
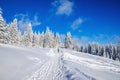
109,51
9,34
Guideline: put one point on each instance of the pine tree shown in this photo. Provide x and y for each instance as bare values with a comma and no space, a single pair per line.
101,51
81,49
20,38
89,48
96,48
27,37
114,55
57,40
49,39
41,40
2,28
85,49
35,40
110,50
13,34
118,51
52,40
39,36
107,51
68,41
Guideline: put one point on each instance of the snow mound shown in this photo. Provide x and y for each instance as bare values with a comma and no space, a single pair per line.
51,53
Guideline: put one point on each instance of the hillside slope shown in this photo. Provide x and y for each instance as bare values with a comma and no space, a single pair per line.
21,63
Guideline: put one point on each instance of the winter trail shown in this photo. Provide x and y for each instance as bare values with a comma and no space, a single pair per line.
65,66
51,70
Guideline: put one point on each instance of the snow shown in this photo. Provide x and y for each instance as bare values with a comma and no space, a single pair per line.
90,67
51,53
21,63
92,63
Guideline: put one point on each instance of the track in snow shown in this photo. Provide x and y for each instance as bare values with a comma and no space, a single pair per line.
56,69
51,70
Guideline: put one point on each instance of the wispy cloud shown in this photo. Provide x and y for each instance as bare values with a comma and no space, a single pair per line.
80,40
114,39
79,30
24,20
75,25
63,7
0,10
35,21
105,39
101,39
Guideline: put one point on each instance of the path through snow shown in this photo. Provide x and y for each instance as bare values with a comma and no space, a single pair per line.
51,70
55,69
47,64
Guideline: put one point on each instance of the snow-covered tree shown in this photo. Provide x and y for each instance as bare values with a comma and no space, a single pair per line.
41,39
49,39
93,49
110,50
76,48
114,55
13,34
118,51
52,40
2,28
101,51
89,48
57,40
107,52
81,48
35,42
27,37
85,49
20,38
39,35
68,41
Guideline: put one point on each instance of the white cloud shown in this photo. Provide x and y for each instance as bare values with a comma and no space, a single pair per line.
105,39
114,39
35,21
79,30
63,7
24,20
0,10
84,40
80,41
76,41
75,25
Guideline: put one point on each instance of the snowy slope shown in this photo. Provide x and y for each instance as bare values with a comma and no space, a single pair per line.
21,63
81,66
17,62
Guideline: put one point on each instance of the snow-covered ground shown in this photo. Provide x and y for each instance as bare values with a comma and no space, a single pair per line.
21,63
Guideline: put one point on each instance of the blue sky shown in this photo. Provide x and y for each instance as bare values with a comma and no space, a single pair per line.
87,20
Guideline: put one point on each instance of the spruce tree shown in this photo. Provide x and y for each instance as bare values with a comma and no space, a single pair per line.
68,41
